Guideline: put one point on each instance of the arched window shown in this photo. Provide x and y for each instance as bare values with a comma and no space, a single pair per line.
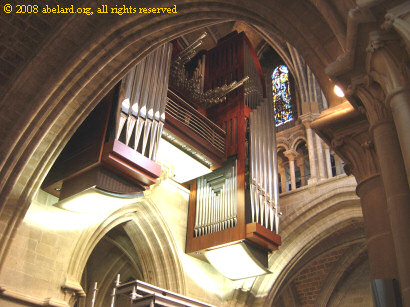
281,95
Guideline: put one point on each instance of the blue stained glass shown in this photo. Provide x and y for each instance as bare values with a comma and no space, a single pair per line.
281,95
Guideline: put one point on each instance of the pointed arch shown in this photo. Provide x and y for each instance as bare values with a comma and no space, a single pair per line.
154,243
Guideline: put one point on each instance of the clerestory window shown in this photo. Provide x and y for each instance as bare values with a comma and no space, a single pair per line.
281,95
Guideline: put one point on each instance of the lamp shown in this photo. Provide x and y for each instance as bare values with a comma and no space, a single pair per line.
338,91
238,261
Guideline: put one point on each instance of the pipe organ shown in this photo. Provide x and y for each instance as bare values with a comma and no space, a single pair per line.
115,148
263,177
237,202
143,98
254,89
214,110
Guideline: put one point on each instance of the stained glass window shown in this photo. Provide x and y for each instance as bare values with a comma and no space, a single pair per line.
281,95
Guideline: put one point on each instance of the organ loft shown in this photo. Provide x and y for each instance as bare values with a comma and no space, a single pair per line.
225,154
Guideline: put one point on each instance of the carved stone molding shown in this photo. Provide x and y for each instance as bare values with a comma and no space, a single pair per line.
348,136
359,154
307,119
345,62
32,300
72,291
384,61
397,19
371,97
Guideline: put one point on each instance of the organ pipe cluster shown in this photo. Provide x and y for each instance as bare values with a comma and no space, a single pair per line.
253,85
142,98
264,192
194,86
216,200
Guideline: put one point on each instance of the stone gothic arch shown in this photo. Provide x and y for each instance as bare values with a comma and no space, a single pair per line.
64,87
151,238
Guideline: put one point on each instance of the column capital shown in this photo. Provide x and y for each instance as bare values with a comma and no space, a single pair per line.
396,19
307,119
349,138
384,63
291,154
368,98
358,152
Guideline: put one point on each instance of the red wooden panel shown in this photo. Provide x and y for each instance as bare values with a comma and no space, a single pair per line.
126,162
262,237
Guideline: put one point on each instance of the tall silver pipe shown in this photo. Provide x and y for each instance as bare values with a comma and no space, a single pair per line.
134,99
156,98
231,200
223,204
142,112
269,190
125,100
261,171
264,135
252,178
269,125
163,97
235,193
150,102
208,209
198,207
275,185
212,223
205,208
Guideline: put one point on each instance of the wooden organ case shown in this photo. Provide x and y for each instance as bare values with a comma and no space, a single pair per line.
115,148
236,202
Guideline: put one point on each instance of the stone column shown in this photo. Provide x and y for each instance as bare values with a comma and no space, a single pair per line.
320,158
382,258
398,197
385,67
301,164
291,155
338,164
354,145
397,20
311,149
282,173
377,227
399,102
394,177
328,162
392,140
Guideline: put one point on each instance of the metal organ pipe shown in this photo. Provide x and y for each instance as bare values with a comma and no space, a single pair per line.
216,201
263,168
185,55
143,99
125,99
253,86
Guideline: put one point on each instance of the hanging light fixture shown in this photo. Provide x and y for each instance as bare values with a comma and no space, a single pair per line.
338,91
94,200
238,261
